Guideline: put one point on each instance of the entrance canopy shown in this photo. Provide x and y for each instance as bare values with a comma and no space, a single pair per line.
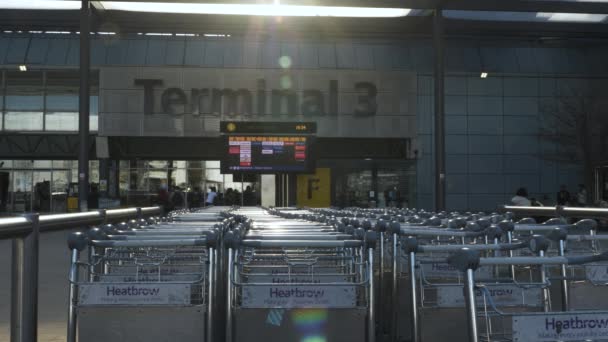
585,18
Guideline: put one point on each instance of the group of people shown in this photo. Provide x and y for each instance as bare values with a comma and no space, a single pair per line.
563,198
178,198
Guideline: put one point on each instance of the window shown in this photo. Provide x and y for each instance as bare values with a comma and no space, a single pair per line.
44,101
24,101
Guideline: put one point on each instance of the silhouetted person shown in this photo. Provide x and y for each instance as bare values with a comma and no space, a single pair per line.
581,196
521,198
248,196
211,195
563,196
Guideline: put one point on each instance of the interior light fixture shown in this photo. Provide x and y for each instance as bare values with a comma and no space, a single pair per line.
40,4
484,75
572,17
275,9
22,68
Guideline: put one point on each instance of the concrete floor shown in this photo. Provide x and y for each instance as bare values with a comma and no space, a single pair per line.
53,290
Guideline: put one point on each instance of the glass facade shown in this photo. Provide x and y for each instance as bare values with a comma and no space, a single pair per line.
39,185
142,181
44,101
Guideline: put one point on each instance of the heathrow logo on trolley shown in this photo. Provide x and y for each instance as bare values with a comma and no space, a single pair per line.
134,294
561,326
302,296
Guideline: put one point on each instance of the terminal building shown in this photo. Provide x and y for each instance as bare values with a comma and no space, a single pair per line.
514,86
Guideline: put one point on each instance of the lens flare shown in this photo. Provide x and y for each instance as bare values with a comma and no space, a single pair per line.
311,324
314,339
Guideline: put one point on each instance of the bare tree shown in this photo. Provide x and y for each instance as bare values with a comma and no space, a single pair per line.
577,124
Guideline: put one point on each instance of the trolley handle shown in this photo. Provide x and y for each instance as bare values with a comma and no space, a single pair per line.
302,243
484,247
149,243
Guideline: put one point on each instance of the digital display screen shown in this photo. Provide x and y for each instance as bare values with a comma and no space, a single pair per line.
266,154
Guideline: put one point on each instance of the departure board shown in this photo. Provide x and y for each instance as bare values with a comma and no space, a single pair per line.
266,154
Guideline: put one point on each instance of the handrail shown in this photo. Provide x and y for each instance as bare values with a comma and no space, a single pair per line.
25,232
13,227
557,211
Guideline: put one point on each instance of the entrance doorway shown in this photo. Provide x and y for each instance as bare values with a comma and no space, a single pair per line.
372,183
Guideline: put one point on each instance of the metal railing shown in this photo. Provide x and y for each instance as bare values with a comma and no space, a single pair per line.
25,233
557,211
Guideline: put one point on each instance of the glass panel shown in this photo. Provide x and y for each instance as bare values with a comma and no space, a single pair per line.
196,178
94,105
123,181
22,181
212,164
178,178
93,113
157,164
157,179
22,164
62,102
24,102
42,191
23,121
6,164
93,123
60,181
94,171
62,164
62,121
213,175
22,190
195,164
42,164
138,180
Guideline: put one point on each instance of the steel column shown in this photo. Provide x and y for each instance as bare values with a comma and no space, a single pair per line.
24,285
469,292
211,285
413,297
229,297
564,282
394,287
371,316
83,106
73,296
439,131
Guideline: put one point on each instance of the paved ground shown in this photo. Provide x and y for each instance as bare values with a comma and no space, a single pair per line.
53,290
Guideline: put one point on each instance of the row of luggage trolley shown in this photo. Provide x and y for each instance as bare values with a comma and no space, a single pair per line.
478,277
251,274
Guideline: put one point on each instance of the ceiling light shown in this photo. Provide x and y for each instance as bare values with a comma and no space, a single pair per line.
40,4
22,68
484,75
572,17
275,10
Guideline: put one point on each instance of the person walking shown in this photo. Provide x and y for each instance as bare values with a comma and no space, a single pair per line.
563,196
521,198
211,196
581,196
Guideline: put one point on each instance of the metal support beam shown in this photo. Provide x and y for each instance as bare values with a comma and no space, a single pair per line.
83,103
24,285
438,44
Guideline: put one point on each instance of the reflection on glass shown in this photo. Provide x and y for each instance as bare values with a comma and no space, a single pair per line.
60,181
23,121
62,121
42,164
22,181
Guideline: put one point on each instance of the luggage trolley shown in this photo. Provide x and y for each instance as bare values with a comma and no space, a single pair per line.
526,326
293,279
150,284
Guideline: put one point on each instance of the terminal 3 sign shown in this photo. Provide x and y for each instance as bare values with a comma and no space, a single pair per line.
234,102
178,101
